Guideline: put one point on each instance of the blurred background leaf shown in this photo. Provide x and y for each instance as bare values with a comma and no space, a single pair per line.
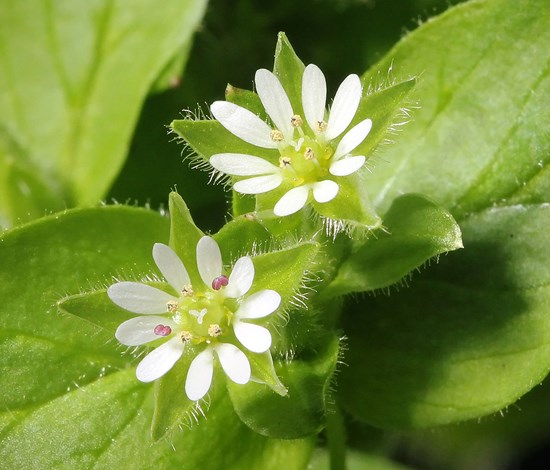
74,76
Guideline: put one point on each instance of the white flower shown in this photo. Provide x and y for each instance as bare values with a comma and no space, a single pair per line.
198,317
309,161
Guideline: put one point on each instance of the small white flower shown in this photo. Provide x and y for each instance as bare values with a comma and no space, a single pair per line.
309,161
198,316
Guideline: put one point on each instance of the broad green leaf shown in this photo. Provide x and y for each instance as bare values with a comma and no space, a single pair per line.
42,262
415,230
477,139
302,411
469,337
74,76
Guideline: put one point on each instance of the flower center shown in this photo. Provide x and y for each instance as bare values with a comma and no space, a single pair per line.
307,163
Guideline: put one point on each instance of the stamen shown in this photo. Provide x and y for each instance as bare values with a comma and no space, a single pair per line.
172,306
284,162
309,154
214,330
296,120
276,136
219,282
321,126
185,336
187,290
162,330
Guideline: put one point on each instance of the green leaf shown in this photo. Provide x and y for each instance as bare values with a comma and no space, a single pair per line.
355,461
475,322
476,139
74,78
415,230
302,411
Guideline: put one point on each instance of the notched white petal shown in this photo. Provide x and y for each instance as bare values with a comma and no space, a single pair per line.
140,330
275,101
292,201
139,298
241,278
170,266
160,360
209,260
255,338
258,184
325,191
259,304
356,135
199,376
234,362
347,166
243,123
239,164
344,106
314,96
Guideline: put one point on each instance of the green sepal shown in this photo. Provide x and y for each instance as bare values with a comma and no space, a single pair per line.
289,69
184,235
351,207
172,407
242,236
209,137
263,371
302,411
415,230
246,99
383,107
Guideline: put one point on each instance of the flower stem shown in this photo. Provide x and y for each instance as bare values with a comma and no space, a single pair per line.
336,437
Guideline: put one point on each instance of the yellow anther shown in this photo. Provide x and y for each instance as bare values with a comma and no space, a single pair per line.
284,162
214,330
185,336
187,291
296,120
321,126
309,154
276,136
172,306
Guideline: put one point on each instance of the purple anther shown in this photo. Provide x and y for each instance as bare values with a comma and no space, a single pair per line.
219,282
162,330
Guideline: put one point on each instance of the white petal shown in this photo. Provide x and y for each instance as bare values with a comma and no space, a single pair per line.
140,330
243,123
314,95
240,164
259,184
170,266
292,201
234,362
259,304
241,278
275,101
209,260
353,138
199,376
347,166
325,191
160,360
344,106
253,337
139,298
